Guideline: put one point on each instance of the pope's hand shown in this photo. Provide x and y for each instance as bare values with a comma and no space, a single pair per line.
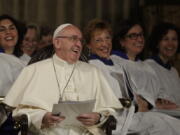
89,119
50,120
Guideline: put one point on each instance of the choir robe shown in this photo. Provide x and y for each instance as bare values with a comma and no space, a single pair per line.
37,87
144,123
9,71
169,80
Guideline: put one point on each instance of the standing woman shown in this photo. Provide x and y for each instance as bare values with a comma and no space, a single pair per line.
164,43
10,37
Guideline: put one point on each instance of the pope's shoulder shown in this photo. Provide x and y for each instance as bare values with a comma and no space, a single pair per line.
86,66
40,64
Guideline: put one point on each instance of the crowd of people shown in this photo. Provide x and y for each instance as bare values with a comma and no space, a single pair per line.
41,68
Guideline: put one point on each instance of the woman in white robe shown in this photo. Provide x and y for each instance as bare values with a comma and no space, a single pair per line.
10,38
98,38
30,42
164,42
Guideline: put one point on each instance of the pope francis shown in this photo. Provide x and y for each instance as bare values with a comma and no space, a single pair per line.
62,78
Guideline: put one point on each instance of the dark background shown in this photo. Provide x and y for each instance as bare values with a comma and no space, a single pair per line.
79,12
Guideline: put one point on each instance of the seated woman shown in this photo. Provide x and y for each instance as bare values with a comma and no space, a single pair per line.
30,42
98,37
9,44
11,65
164,43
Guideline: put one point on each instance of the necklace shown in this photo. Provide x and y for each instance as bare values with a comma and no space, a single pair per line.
58,84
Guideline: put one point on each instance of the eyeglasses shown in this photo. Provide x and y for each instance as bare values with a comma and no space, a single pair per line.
73,39
134,36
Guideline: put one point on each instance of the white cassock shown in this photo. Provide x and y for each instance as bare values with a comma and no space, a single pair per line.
37,87
145,123
169,81
9,70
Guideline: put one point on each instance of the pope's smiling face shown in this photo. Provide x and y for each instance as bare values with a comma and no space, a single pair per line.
68,44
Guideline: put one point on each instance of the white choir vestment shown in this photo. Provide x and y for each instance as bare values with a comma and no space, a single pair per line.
169,81
10,68
144,123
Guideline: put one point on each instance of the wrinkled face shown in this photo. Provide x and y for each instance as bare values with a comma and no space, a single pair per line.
133,42
68,44
29,43
8,34
168,45
101,43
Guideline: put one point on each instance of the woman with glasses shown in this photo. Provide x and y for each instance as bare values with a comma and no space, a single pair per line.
30,42
130,43
130,40
164,43
98,35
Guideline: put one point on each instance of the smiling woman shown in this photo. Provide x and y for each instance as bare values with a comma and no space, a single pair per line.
98,36
9,35
129,39
164,43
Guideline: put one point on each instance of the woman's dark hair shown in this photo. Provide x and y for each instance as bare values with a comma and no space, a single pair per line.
17,51
158,32
122,30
